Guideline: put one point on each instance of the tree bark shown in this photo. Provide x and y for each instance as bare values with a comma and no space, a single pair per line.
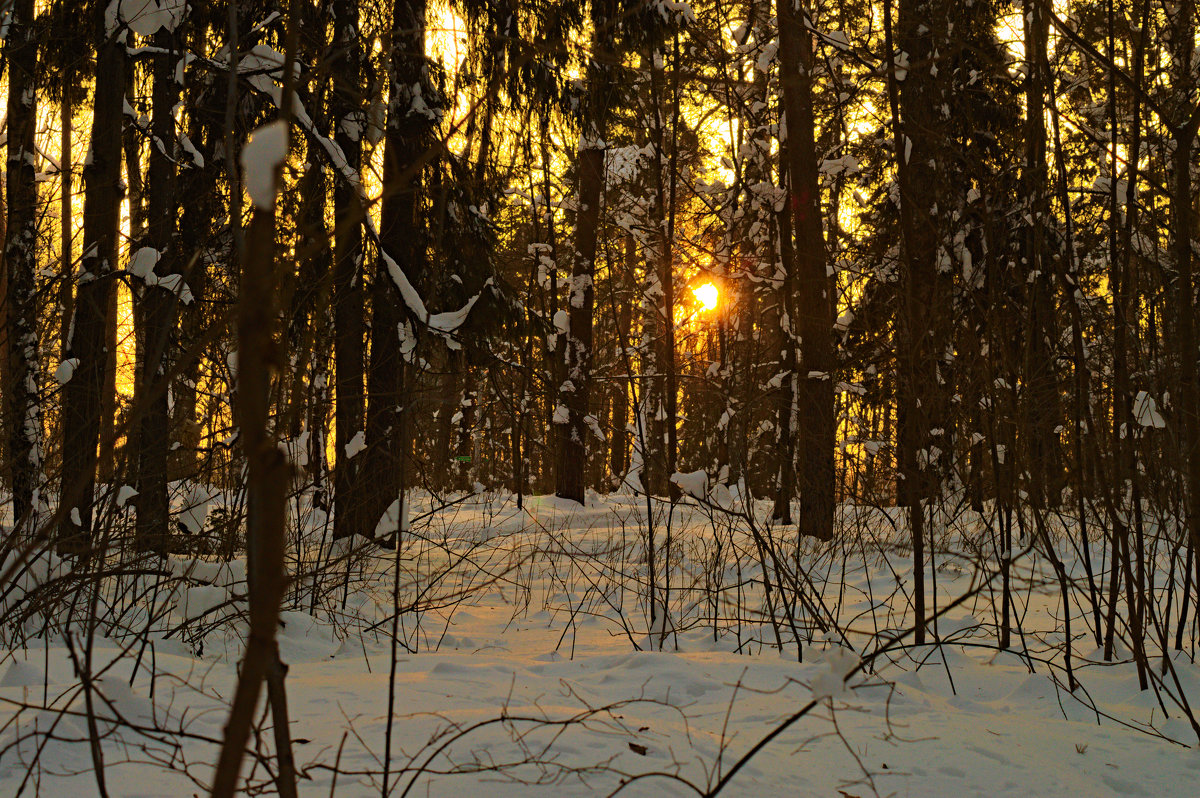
574,391
813,305
21,411
157,312
401,236
101,230
347,110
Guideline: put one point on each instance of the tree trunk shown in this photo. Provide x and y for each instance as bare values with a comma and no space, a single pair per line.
349,304
158,305
66,217
575,390
402,239
101,230
919,331
813,305
21,411
1182,223
267,469
1043,411
618,463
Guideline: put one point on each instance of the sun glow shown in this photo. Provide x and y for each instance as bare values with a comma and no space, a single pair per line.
707,295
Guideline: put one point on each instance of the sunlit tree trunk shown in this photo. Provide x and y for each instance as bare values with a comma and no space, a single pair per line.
786,392
618,463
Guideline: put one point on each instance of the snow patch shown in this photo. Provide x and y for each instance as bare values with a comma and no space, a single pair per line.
1145,410
145,17
125,494
694,483
66,370
356,444
263,154
838,663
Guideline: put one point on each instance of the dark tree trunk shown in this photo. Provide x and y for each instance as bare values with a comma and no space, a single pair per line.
1183,232
309,317
1044,411
266,487
921,25
157,312
575,390
66,218
813,303
406,140
101,229
349,306
196,181
267,469
22,416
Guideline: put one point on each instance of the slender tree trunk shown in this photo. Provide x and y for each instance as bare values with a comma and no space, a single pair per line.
266,486
157,312
813,304
666,278
619,446
349,306
1042,411
575,389
785,410
22,415
555,353
266,468
66,218
1182,223
82,399
918,336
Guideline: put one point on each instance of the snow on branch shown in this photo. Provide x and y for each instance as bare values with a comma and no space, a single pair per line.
261,65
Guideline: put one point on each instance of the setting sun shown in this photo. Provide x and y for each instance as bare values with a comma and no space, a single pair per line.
707,295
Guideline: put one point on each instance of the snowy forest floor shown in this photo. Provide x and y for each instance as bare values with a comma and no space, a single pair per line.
526,665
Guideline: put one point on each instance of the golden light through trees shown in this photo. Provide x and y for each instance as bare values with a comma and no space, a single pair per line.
707,295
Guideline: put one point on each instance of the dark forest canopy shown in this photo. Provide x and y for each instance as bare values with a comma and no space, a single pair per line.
829,252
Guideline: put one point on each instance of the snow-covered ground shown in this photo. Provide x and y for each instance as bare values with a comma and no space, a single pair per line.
527,665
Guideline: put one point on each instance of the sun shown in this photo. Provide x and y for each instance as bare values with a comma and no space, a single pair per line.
707,295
